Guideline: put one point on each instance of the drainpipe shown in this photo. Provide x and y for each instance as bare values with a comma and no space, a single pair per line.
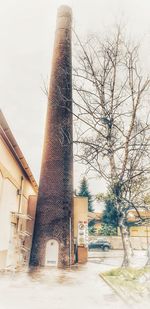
20,194
70,240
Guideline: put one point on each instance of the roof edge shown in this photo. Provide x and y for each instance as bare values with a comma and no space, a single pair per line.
7,135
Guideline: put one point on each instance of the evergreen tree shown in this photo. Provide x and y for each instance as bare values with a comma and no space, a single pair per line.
110,214
84,191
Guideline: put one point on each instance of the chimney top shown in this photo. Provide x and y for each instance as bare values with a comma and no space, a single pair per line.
64,18
64,11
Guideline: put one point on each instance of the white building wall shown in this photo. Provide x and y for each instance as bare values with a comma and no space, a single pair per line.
10,201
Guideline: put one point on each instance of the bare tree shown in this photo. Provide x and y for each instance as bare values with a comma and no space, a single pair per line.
111,98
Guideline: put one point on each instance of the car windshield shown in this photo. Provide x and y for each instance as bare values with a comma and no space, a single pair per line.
99,241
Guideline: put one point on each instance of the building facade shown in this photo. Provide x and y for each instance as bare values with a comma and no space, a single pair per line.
80,211
18,190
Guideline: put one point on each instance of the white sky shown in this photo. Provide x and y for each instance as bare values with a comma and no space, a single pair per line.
26,40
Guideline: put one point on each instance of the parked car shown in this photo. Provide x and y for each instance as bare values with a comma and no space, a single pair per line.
100,244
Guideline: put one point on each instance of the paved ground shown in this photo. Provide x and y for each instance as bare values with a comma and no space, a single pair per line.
115,257
79,287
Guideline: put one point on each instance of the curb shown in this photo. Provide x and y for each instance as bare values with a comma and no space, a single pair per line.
119,294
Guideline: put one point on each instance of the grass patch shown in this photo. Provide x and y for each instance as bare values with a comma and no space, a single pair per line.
130,273
133,284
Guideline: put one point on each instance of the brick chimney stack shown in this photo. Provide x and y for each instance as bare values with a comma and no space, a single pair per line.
54,206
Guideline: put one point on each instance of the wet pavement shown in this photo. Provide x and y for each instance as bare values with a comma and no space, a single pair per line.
78,287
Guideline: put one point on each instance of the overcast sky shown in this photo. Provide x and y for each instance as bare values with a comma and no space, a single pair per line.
26,40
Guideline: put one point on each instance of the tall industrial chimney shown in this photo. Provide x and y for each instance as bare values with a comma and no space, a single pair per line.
53,231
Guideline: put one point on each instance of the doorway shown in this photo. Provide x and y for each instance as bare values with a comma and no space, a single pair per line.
51,257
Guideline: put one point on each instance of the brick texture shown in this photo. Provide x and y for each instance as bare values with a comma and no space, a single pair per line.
55,198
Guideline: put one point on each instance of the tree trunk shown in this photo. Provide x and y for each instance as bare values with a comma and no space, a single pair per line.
126,245
148,254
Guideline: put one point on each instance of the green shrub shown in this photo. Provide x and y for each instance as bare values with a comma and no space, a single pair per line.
92,230
108,230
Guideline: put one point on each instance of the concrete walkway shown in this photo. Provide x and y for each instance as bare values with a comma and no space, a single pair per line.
58,289
76,288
